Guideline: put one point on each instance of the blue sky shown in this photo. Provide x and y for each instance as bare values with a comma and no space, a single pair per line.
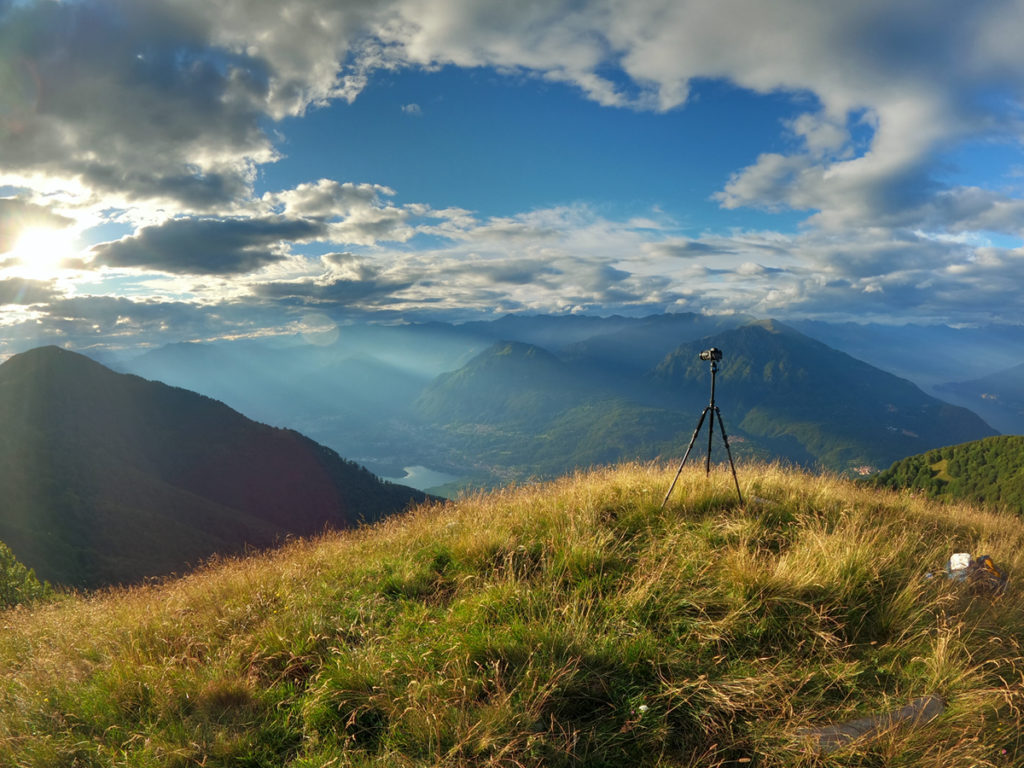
184,170
502,145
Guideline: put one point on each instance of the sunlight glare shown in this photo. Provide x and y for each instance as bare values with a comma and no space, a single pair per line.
41,253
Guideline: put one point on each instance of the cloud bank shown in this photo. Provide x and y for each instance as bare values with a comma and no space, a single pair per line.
159,117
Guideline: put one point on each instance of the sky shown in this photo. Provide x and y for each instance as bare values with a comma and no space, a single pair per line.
185,170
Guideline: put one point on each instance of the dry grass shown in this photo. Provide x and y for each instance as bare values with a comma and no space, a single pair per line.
566,623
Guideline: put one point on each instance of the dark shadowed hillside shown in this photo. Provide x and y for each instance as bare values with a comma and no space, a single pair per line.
110,478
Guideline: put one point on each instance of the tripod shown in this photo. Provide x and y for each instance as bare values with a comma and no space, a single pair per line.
714,356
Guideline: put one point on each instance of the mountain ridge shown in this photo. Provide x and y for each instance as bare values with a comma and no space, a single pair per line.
846,412
998,396
782,394
604,396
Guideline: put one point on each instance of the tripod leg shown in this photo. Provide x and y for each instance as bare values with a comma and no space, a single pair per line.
725,439
711,434
686,455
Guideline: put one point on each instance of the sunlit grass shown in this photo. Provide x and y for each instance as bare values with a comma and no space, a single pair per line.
566,623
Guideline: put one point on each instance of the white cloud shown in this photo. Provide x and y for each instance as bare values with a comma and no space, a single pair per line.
327,198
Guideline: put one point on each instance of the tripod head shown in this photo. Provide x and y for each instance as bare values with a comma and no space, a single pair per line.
714,355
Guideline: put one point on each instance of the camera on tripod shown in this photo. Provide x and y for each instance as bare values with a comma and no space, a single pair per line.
712,355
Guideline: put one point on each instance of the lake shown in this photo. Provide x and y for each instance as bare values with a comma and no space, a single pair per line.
421,478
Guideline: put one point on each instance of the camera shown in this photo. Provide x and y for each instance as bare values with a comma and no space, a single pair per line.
714,354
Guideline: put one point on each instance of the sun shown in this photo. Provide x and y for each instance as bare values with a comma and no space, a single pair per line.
42,253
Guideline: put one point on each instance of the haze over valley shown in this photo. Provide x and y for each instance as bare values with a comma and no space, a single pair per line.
536,396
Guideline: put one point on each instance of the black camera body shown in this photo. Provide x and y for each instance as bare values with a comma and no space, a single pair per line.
714,354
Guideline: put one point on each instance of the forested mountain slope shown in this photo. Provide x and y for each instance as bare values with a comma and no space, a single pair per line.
989,471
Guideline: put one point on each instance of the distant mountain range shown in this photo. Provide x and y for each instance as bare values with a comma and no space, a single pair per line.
928,355
108,478
998,397
591,391
989,471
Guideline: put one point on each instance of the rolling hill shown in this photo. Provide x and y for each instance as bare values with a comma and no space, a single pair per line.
989,471
516,411
566,624
508,382
109,478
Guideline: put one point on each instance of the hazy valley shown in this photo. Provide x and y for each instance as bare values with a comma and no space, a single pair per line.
521,397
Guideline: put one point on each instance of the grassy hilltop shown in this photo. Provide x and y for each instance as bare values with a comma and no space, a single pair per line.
570,623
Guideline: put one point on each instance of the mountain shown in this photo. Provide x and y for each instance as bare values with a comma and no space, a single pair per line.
989,471
346,396
508,382
776,382
284,384
553,332
570,624
998,397
643,343
517,411
782,395
109,478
